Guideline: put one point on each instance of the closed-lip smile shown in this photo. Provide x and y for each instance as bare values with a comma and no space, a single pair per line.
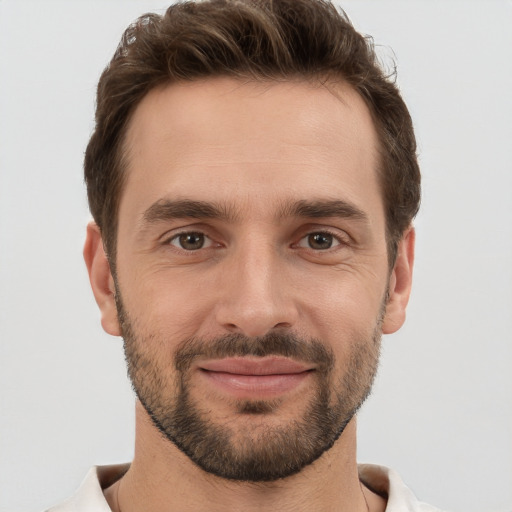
254,377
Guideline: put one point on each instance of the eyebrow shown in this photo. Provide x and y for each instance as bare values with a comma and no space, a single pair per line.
323,208
166,209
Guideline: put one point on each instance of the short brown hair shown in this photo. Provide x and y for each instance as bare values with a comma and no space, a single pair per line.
250,39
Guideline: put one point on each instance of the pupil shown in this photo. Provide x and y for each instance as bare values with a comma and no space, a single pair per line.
320,241
192,241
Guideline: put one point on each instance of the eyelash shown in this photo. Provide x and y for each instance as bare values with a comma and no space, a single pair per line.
177,236
337,240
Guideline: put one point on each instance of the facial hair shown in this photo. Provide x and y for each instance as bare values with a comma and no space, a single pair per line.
270,450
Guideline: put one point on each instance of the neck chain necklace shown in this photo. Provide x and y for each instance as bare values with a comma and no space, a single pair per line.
364,496
118,508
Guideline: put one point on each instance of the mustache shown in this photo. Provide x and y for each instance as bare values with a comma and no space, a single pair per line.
272,344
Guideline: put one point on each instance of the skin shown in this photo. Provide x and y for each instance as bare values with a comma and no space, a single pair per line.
254,149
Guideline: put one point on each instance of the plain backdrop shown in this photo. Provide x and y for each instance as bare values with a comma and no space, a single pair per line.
441,411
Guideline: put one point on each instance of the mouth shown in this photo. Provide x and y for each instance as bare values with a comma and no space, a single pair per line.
254,378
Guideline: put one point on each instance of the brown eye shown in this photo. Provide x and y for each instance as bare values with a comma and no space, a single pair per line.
319,241
190,241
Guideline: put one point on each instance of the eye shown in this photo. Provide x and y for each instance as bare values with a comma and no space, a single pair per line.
191,241
319,241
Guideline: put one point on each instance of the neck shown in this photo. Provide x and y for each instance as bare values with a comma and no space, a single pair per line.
163,479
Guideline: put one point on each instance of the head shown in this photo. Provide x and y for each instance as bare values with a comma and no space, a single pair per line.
253,179
250,40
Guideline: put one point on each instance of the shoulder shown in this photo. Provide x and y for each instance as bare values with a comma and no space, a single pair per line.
387,483
89,495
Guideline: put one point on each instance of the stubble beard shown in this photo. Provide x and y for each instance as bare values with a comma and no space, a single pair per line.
271,450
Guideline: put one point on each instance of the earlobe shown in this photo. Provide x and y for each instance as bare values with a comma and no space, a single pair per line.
400,283
100,277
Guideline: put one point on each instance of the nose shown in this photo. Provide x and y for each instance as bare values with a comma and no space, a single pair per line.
256,294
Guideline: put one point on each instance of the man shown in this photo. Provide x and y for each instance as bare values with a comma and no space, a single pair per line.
253,180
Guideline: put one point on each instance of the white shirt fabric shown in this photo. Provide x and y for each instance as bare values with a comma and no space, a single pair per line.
382,480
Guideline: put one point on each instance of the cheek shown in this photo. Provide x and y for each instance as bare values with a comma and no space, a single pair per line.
335,305
169,305
343,305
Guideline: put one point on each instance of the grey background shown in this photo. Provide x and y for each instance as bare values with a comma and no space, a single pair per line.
441,412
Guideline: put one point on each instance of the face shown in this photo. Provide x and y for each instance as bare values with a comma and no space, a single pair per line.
252,281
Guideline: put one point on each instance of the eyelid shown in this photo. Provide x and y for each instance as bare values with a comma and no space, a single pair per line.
182,230
208,242
173,234
342,238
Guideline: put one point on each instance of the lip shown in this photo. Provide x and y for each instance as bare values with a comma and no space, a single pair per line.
254,378
270,365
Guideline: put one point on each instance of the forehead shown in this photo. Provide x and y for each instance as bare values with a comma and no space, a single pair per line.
228,139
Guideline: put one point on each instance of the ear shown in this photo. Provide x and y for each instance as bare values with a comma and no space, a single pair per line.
102,282
400,283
